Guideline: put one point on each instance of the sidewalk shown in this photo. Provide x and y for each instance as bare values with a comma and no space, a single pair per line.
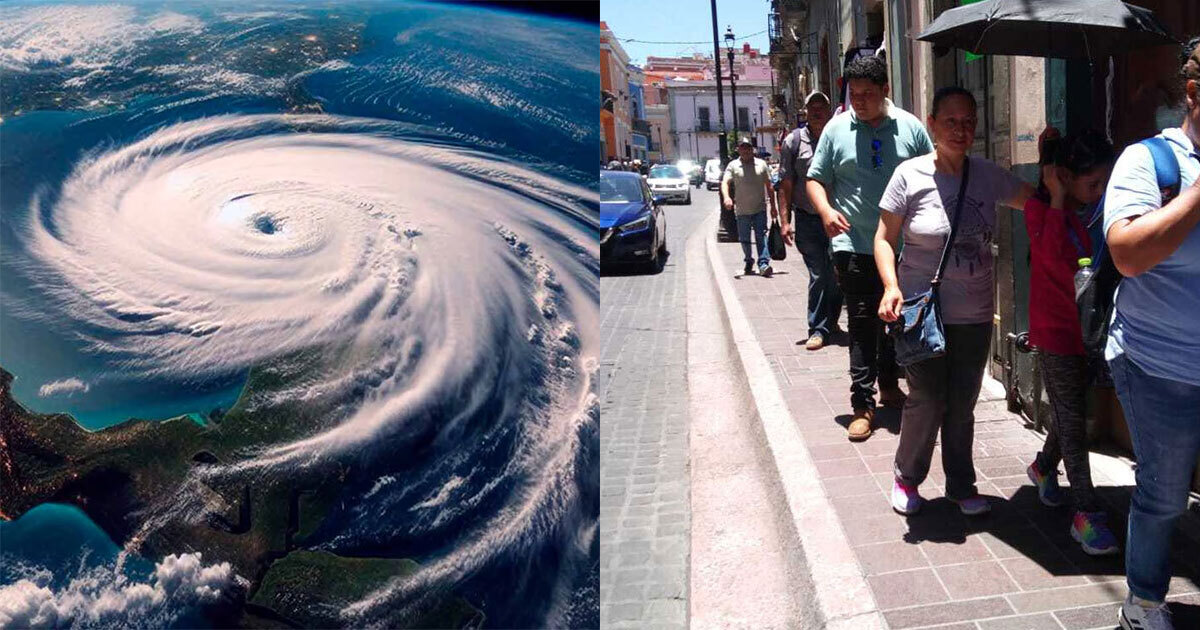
1016,568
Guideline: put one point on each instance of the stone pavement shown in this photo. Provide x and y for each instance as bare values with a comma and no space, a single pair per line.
1016,568
644,478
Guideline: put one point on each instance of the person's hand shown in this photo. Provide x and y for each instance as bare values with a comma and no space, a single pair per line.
889,306
728,204
789,234
1049,133
835,223
1052,178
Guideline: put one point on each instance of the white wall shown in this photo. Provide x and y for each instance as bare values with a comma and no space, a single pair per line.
684,116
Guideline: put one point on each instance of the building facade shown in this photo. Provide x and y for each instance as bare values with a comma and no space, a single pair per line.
639,129
616,124
695,121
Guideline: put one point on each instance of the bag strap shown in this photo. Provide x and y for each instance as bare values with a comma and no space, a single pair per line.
1166,165
962,193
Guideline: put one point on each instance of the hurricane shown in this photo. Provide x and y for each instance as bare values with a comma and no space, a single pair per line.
390,322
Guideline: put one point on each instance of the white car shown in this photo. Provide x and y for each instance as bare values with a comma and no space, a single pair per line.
668,181
712,174
694,172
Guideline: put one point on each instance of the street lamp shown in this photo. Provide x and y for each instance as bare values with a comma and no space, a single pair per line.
761,121
729,42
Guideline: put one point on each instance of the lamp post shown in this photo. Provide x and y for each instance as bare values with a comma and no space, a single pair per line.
722,139
762,122
729,42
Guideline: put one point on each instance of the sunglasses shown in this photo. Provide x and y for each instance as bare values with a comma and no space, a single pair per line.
876,158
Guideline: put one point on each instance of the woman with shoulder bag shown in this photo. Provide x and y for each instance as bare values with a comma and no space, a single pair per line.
944,205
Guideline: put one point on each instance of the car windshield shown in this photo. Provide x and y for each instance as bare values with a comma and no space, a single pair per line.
620,189
665,171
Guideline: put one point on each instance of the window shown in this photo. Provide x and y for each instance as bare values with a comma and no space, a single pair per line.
743,122
705,122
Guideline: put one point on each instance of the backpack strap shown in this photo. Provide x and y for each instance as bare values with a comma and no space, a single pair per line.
1166,166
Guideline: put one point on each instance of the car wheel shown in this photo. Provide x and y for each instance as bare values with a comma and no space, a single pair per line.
687,201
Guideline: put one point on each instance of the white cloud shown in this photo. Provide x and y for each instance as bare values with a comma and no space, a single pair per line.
101,596
68,386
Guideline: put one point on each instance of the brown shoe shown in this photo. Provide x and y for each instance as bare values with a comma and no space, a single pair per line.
860,425
815,342
892,397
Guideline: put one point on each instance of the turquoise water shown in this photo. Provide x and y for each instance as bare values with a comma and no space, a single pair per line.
55,537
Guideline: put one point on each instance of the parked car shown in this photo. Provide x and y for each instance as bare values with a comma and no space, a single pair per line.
633,225
712,174
670,183
694,172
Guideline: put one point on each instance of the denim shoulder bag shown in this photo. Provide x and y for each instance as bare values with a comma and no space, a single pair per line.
918,333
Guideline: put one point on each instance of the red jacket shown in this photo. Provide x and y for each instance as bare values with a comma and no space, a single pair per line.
1053,261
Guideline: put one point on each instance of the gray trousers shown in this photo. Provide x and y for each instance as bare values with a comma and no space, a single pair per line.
1066,379
941,397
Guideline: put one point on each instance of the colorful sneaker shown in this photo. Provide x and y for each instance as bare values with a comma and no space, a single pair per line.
905,499
1047,485
765,271
1090,530
1135,615
974,506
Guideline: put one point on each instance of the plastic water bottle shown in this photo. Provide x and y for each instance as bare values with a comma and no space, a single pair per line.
1083,277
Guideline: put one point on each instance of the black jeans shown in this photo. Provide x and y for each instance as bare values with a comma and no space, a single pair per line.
941,396
1066,379
872,355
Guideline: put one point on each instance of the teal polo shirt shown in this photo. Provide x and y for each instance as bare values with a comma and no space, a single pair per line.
855,162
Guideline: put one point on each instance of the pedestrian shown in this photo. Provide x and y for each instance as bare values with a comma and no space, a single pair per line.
824,295
927,200
1060,244
1154,343
853,162
751,179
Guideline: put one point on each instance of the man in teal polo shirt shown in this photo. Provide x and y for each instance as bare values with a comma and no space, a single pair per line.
853,162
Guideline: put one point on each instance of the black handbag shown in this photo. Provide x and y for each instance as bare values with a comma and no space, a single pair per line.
775,244
918,333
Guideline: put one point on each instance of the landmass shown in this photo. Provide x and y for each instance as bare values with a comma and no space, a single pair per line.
135,472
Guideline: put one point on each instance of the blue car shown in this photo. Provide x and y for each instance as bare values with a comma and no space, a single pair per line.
633,227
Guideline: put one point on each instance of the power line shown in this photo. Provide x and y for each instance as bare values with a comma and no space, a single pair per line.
641,41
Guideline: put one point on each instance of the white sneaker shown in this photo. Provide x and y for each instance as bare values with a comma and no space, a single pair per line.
1134,616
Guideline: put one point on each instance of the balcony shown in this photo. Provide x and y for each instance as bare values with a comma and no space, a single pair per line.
706,126
641,126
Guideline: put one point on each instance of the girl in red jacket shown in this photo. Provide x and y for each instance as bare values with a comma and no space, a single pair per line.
1058,225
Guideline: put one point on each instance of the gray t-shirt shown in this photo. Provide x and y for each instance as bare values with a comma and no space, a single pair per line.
749,195
925,199
794,156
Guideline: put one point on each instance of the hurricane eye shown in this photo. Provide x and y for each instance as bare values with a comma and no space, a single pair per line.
266,225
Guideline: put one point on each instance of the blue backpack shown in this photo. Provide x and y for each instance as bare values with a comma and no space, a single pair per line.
1096,302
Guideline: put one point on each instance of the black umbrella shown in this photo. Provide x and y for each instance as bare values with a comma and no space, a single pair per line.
1092,29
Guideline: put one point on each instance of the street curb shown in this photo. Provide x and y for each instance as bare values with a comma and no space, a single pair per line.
841,589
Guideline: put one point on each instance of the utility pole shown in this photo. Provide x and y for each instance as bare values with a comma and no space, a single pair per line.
722,139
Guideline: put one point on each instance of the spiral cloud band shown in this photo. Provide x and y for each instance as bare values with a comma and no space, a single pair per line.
212,246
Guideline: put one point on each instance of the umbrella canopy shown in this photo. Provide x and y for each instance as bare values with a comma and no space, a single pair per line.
1092,29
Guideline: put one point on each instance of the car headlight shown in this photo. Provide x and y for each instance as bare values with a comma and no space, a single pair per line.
636,225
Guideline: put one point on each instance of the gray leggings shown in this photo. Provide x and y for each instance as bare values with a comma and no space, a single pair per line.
941,397
1066,379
